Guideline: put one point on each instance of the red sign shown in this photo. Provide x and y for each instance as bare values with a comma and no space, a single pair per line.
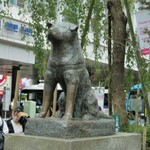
2,79
1,92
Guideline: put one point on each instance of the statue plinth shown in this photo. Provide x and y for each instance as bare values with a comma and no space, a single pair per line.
119,141
60,128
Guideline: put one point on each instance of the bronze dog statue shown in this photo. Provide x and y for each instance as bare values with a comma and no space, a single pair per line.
66,66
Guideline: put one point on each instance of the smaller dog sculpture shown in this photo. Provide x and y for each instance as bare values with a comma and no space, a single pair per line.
66,66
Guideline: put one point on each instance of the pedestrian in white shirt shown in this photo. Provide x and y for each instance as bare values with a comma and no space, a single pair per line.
16,124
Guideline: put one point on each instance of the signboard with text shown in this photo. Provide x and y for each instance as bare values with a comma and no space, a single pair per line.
143,26
16,30
7,99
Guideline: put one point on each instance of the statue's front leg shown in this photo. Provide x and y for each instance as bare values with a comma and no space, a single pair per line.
71,81
49,86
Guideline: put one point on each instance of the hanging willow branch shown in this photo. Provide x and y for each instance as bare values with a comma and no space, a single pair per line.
87,22
138,60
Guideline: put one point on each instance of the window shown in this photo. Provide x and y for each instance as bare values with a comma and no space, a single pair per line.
106,100
13,2
20,3
133,101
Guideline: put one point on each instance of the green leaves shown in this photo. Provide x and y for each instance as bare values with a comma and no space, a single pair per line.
75,11
41,13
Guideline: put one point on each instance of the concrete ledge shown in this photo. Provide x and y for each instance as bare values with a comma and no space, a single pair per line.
119,141
66,129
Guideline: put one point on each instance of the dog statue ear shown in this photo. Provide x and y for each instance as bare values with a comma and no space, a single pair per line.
74,28
49,25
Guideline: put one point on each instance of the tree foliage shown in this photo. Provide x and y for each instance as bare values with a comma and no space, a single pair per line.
41,13
143,69
90,16
82,13
131,55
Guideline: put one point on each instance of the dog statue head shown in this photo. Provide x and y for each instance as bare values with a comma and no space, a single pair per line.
63,31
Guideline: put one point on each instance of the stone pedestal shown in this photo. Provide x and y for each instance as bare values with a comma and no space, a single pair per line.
119,141
59,128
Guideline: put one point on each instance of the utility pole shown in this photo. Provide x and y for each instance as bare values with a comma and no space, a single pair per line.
16,96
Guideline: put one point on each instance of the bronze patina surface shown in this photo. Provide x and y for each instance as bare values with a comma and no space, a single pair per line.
66,66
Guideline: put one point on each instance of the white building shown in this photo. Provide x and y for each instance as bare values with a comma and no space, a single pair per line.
14,35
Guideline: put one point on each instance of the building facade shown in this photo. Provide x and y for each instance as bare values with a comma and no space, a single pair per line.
15,53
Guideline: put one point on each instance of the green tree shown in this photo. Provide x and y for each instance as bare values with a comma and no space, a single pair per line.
89,16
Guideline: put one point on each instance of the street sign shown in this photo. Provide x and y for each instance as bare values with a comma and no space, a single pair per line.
7,98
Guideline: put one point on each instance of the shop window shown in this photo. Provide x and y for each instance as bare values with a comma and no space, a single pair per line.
106,100
20,3
13,2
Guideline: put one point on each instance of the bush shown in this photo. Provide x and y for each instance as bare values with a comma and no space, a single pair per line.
133,128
